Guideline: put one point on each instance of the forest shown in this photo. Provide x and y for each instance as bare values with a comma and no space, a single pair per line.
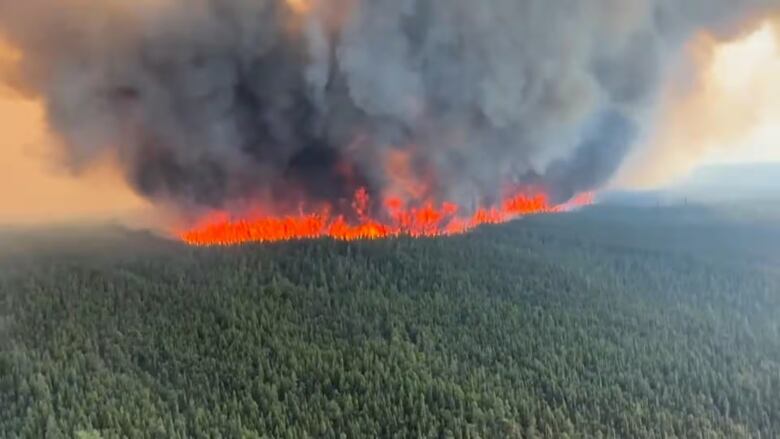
610,322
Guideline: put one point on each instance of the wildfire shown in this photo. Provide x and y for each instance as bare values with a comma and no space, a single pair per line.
428,220
300,6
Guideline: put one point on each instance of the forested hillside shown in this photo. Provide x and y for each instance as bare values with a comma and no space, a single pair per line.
610,322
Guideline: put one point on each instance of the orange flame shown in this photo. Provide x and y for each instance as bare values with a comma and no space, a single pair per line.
428,220
404,181
300,6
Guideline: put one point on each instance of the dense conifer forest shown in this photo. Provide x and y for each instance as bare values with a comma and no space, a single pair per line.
610,322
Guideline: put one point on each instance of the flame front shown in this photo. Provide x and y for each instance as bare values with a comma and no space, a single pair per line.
299,6
429,220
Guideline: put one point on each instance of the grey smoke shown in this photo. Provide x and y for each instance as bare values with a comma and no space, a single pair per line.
218,103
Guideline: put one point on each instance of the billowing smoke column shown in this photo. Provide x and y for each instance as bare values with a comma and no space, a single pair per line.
228,103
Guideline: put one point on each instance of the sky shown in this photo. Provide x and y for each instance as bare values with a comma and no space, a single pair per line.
34,185
751,69
722,107
34,188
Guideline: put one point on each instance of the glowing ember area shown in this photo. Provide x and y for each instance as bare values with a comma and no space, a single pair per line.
299,6
426,221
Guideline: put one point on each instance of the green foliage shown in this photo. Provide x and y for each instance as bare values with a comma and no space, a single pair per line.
553,327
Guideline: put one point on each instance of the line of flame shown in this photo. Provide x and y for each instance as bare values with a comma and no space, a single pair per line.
425,221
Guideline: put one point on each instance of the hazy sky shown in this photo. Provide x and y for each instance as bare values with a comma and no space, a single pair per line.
33,188
727,110
749,72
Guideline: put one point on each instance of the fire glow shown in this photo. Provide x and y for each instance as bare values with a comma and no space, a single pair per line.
429,220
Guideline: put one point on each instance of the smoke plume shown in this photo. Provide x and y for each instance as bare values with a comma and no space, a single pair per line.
726,108
223,103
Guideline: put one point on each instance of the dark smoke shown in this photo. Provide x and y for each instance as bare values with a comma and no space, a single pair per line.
218,103
596,158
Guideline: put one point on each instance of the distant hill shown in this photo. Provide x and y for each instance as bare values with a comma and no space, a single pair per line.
753,187
634,198
733,182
